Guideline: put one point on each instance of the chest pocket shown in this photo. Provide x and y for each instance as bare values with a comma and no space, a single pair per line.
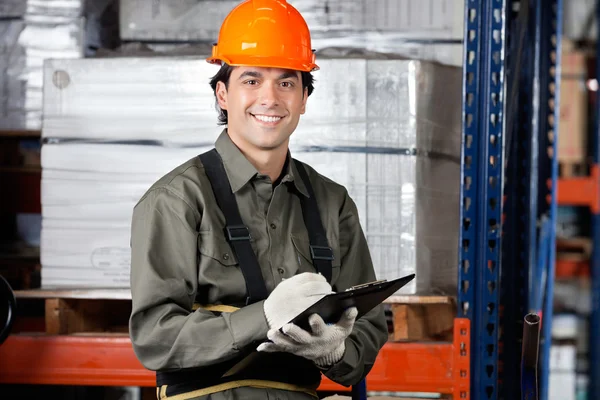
215,246
219,276
302,248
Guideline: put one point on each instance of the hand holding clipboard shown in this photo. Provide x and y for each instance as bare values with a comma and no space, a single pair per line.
364,297
331,307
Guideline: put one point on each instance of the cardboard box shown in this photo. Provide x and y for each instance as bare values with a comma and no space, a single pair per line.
573,120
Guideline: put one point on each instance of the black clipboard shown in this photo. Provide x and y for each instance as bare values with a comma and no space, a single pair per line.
364,297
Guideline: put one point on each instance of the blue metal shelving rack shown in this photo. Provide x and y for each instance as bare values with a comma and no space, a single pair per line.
511,86
481,188
508,189
510,110
594,345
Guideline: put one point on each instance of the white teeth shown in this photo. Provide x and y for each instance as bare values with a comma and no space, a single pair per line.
266,118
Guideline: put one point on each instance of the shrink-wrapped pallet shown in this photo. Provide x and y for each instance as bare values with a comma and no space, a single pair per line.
391,135
35,31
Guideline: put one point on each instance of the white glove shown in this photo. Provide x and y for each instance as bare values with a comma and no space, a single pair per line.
326,344
294,295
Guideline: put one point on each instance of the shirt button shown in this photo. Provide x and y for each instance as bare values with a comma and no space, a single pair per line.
281,270
225,256
273,226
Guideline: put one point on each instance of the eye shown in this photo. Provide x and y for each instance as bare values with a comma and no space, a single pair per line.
251,82
287,84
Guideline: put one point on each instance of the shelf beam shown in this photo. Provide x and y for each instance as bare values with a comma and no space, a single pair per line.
581,191
109,360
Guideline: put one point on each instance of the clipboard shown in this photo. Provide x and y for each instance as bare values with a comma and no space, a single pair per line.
364,297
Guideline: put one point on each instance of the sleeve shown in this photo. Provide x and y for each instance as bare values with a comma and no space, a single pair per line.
370,332
165,332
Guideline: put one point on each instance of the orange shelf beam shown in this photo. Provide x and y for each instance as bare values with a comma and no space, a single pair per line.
110,361
572,269
71,360
422,367
581,191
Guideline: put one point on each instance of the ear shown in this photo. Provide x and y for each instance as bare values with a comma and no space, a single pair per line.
304,100
221,93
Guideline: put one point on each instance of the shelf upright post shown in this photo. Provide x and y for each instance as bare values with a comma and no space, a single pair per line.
533,79
481,187
517,234
594,354
550,33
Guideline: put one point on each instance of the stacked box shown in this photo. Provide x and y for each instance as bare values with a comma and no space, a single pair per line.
200,20
431,30
574,108
391,135
49,29
566,330
12,8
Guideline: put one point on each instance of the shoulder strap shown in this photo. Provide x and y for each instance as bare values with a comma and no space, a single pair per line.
236,232
321,253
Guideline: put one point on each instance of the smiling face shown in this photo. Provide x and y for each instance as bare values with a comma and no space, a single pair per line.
263,106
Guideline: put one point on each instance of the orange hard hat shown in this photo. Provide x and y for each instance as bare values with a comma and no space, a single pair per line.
265,33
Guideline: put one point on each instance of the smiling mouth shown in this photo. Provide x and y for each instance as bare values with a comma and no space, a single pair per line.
269,119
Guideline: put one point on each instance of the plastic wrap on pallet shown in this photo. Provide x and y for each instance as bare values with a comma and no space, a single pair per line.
391,136
87,181
54,11
12,63
85,253
12,8
579,20
123,98
47,29
173,21
200,20
407,28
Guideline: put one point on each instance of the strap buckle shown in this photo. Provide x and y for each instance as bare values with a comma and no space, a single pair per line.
321,253
237,232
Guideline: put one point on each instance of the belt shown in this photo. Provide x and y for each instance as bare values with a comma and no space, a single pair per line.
185,386
161,392
215,307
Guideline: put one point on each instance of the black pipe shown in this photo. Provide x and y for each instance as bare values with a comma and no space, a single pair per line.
529,357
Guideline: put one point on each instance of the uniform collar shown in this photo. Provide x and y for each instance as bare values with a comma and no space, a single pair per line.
294,176
240,171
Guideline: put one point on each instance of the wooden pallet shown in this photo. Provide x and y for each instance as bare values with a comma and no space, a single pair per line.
421,318
410,318
570,169
79,311
574,249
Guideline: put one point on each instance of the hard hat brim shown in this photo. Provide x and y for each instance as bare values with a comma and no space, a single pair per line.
264,62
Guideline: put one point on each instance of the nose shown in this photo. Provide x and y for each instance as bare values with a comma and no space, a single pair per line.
268,95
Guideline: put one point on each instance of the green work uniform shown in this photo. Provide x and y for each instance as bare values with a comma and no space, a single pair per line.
180,256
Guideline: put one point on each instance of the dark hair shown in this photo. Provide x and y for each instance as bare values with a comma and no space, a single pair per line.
223,76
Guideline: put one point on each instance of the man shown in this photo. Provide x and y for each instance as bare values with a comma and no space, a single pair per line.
230,246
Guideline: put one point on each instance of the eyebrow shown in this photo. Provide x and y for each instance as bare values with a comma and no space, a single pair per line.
288,74
256,74
252,74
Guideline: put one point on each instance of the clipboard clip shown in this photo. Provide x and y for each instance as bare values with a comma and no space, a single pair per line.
364,285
